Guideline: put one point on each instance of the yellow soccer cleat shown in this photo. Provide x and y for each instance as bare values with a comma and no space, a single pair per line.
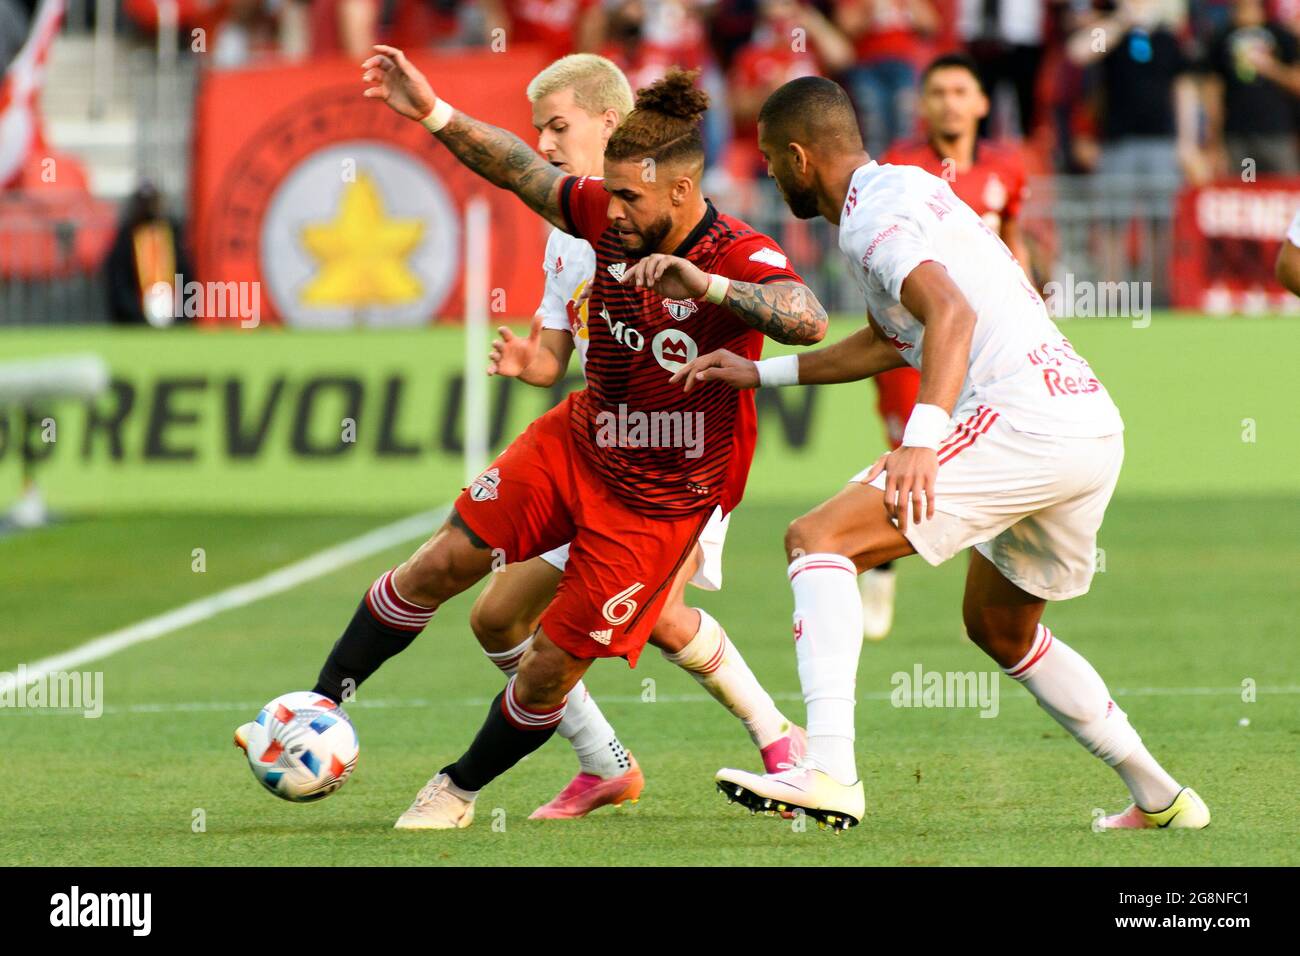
814,792
1187,812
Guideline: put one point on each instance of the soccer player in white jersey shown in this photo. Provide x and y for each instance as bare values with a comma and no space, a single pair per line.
1013,449
1288,258
577,103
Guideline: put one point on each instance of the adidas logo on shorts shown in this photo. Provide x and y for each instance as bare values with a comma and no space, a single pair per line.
603,636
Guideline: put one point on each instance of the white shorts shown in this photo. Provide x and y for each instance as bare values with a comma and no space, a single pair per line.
1031,504
707,577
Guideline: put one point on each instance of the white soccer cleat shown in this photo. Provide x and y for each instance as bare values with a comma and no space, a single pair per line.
816,793
877,588
1187,812
439,806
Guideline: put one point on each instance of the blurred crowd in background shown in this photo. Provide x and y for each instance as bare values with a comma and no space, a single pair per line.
1110,107
1134,87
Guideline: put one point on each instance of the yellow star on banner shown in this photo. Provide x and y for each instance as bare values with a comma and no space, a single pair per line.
362,252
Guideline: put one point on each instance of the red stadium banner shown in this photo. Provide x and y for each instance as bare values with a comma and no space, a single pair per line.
345,213
1226,240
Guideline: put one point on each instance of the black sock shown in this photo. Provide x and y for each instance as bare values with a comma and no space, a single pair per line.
498,747
365,644
887,566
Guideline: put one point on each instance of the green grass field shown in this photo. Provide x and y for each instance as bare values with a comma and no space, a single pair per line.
1197,600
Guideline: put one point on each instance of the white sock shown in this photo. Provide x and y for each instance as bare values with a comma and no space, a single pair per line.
583,725
1072,691
828,639
719,668
593,739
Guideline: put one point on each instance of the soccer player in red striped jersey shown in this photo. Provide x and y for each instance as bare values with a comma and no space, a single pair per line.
578,102
627,470
990,178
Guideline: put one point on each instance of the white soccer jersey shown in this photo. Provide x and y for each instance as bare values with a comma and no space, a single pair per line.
570,264
897,217
1293,234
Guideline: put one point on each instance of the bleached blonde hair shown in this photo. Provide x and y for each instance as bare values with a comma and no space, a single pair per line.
598,85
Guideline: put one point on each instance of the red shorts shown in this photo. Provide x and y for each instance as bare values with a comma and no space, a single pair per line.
540,493
895,396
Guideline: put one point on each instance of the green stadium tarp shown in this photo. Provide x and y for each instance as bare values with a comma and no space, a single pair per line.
249,421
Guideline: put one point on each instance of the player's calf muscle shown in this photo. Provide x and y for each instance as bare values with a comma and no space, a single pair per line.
677,623
1000,618
443,566
853,524
497,623
546,674
508,610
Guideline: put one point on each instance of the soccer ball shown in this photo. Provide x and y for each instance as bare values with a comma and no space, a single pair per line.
301,746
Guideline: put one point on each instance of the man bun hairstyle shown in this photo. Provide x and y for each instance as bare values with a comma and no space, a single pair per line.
665,123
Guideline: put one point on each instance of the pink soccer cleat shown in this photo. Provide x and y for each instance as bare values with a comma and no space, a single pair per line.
785,752
587,791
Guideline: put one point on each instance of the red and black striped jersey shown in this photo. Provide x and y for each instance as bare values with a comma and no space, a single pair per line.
666,452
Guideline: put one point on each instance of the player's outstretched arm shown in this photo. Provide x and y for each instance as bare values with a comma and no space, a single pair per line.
785,311
499,156
858,356
541,359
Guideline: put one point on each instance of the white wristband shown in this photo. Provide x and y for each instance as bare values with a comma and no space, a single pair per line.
927,427
438,117
717,290
782,370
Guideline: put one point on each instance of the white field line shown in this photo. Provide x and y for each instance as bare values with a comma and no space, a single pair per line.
412,703
275,582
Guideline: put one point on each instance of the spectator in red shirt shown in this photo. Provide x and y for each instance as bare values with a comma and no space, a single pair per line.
558,26
989,177
890,40
791,39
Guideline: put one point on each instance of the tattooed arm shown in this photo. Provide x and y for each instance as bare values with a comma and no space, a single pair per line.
505,160
785,311
499,156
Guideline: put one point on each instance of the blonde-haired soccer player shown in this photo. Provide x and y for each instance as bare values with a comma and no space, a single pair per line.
577,102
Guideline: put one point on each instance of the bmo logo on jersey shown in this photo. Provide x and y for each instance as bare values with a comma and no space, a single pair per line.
674,349
623,333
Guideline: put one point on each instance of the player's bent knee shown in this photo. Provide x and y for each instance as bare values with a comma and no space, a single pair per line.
496,624
675,628
805,536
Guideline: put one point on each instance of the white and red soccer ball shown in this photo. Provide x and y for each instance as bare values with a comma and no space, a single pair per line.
301,746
